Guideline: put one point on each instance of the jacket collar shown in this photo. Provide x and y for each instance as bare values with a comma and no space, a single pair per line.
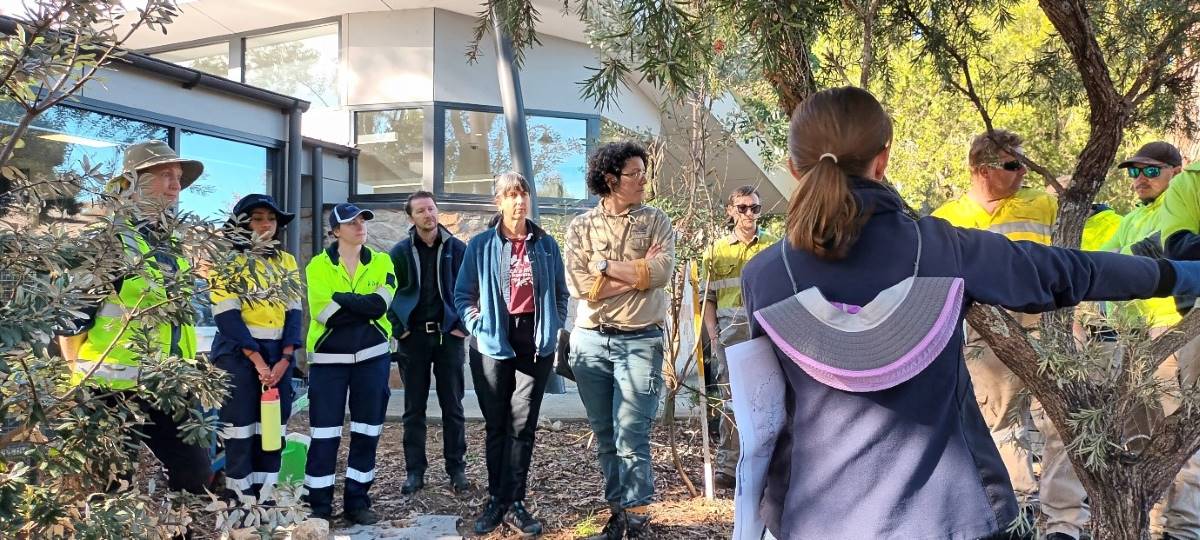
535,231
364,254
875,197
444,234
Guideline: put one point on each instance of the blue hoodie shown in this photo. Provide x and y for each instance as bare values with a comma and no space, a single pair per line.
408,270
481,294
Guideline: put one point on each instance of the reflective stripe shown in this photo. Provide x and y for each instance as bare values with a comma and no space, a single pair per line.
727,283
110,309
385,293
244,484
238,484
109,371
318,482
731,312
242,432
1011,227
365,354
263,332
366,429
295,304
226,305
325,314
327,432
359,476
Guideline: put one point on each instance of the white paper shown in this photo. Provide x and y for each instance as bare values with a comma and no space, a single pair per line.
758,386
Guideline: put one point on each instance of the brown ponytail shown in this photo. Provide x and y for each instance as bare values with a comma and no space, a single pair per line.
834,134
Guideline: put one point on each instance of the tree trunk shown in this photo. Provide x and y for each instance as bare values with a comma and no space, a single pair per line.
1120,505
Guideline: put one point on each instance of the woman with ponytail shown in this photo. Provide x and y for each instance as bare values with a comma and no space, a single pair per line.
856,415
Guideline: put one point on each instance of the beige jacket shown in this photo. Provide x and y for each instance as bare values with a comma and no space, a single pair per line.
597,235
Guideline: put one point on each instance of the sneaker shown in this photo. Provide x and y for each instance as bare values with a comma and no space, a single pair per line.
520,520
492,516
413,484
724,481
458,481
362,516
614,529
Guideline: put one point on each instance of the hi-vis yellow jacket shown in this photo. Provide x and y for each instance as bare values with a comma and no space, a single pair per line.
1027,215
119,368
241,322
349,321
1143,221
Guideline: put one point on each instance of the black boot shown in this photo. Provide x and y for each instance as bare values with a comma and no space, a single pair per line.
492,516
413,484
615,528
458,481
520,520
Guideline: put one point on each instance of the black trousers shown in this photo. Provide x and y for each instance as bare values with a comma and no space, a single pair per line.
441,355
189,467
510,394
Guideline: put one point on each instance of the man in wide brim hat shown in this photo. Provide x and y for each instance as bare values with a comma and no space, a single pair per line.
143,156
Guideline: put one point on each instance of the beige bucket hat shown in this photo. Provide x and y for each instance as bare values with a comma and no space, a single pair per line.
142,155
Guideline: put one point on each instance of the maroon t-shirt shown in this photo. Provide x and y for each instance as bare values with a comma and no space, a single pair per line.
520,278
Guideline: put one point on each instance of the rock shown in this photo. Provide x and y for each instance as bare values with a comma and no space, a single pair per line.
248,533
311,529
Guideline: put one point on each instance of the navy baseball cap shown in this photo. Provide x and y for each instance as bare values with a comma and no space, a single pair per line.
346,212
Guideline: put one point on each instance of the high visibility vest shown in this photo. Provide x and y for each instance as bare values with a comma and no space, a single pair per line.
1028,215
722,268
120,368
375,274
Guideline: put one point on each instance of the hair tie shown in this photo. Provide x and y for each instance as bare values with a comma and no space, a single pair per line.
828,155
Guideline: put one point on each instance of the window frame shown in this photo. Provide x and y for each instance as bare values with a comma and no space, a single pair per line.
434,154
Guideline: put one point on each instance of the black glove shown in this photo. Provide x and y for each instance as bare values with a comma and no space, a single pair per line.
1150,246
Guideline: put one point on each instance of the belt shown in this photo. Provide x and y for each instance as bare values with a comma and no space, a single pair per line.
610,330
433,327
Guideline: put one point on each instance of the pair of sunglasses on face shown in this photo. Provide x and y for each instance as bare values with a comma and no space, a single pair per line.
752,208
1149,171
1010,166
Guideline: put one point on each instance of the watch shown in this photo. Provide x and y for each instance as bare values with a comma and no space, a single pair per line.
602,266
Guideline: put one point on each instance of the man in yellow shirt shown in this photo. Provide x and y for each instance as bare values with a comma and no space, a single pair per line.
724,317
997,202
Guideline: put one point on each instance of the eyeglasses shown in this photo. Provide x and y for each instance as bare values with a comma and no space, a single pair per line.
1149,171
1010,166
635,174
752,208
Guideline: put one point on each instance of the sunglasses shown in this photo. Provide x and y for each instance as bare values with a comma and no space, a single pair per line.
1010,166
1149,171
752,208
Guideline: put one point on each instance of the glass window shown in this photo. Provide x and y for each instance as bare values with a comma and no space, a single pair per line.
63,138
232,170
212,59
299,63
477,149
391,145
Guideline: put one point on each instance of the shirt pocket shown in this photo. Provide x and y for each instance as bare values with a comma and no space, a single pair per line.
601,249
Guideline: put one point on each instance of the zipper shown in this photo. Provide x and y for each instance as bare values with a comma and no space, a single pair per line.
320,340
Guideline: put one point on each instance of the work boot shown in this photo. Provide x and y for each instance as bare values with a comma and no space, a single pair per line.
615,528
458,481
724,481
362,516
492,516
413,484
637,522
520,520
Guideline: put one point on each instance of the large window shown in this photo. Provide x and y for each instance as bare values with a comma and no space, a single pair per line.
392,150
232,170
64,139
212,59
476,148
300,63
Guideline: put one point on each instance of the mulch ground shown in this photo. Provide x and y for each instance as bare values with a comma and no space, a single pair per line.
565,486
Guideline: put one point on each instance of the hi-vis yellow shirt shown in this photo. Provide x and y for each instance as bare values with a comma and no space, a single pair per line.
1027,215
1143,221
722,267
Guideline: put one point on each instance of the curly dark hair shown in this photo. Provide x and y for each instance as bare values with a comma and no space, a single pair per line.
610,159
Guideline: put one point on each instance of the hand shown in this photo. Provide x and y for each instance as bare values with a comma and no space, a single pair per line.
654,251
1150,246
259,365
458,333
276,373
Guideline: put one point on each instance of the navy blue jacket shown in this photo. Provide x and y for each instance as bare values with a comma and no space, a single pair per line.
915,460
481,295
408,270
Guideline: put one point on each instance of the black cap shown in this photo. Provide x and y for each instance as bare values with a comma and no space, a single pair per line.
257,200
346,212
1155,153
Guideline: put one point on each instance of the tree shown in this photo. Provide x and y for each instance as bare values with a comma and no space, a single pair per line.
1092,78
66,446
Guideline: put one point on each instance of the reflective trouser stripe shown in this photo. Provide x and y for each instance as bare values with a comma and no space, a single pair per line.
359,476
318,482
242,432
366,429
365,354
